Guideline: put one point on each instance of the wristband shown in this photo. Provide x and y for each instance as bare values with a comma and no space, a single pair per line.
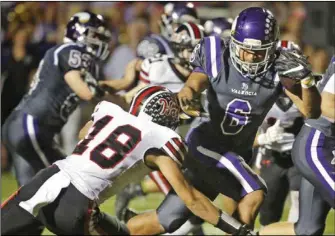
307,82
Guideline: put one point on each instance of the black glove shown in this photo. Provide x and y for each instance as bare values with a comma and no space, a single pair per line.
92,84
292,64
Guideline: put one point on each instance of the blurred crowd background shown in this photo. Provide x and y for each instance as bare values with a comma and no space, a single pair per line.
29,29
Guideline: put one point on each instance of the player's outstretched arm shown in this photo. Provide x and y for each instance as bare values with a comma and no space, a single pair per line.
198,203
128,78
194,200
130,94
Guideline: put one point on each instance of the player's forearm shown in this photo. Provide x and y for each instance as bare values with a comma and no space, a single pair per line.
203,207
198,82
130,94
311,99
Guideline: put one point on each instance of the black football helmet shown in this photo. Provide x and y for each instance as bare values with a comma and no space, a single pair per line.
158,104
91,30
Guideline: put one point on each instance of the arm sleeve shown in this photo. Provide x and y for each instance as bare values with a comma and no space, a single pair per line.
197,58
207,56
176,149
144,73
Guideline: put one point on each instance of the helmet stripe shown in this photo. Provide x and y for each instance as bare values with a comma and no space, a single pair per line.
196,30
284,44
141,96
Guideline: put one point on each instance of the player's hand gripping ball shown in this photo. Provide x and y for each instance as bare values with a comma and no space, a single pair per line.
189,105
292,64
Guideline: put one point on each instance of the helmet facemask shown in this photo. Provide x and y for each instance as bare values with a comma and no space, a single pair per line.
184,40
252,69
254,36
96,41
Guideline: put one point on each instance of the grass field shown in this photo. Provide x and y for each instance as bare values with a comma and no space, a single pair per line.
8,186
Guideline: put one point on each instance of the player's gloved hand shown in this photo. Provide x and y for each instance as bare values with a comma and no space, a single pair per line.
92,84
272,134
292,64
188,103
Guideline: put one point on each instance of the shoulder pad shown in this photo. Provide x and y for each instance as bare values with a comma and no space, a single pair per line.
71,56
207,55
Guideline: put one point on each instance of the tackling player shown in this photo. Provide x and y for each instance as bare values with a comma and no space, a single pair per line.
67,74
314,156
243,76
118,147
170,72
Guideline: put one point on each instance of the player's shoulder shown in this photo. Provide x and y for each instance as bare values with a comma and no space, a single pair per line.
71,53
207,56
170,143
104,108
67,47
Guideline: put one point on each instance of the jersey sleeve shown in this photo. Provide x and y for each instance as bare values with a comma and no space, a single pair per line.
207,56
175,148
148,47
145,69
71,57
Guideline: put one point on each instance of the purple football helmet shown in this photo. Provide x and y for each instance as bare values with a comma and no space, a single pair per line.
254,29
220,26
176,14
91,30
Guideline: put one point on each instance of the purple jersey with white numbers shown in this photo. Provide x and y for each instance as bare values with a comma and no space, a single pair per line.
50,100
237,105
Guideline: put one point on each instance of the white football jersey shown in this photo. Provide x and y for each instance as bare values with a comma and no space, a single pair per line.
111,155
287,118
160,70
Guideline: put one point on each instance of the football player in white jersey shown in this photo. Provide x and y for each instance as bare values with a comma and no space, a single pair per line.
117,147
170,72
167,70
174,15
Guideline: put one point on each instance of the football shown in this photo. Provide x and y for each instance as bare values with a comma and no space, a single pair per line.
291,85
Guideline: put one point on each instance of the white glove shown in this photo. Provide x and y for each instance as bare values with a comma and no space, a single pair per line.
272,134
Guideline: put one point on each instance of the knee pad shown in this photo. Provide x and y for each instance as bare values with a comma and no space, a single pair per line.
308,229
172,213
172,221
171,224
